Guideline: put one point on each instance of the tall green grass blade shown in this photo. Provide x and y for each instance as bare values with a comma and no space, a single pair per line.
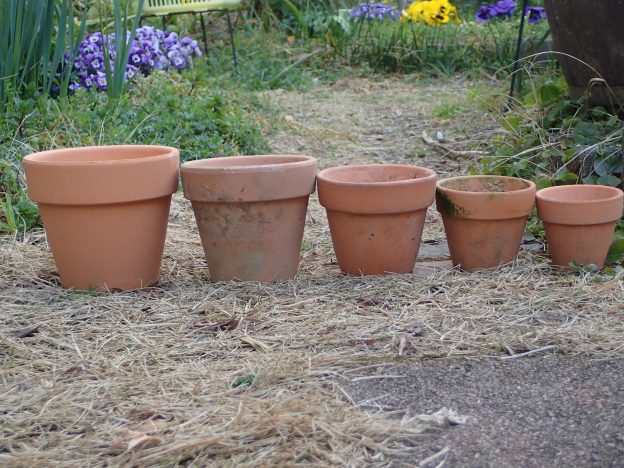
34,35
115,60
298,16
7,212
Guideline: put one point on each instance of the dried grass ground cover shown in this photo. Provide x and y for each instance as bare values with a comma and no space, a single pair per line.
247,374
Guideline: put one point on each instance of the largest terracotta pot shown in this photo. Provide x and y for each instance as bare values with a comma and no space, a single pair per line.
250,211
105,211
591,31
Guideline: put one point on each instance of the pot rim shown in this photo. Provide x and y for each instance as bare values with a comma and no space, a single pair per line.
530,185
429,175
617,194
209,165
161,152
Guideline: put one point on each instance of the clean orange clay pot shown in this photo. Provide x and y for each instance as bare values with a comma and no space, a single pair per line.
250,211
105,211
376,215
484,218
579,221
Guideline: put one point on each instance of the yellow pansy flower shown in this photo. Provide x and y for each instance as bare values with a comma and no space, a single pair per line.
432,12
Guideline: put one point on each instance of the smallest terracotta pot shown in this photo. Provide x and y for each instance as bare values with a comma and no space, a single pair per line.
484,218
579,221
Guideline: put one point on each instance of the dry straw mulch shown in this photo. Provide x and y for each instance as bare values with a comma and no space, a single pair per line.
249,374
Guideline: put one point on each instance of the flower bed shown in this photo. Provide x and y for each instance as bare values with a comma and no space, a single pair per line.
152,49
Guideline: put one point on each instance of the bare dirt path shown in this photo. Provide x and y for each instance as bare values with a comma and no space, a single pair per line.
195,373
359,121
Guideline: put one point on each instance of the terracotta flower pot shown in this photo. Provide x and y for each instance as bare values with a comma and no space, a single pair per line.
579,221
484,218
250,211
376,215
105,211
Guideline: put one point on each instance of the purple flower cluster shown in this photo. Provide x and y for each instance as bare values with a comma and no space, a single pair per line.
486,13
374,11
151,49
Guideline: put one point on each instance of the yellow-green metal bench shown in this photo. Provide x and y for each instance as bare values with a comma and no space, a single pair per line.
166,8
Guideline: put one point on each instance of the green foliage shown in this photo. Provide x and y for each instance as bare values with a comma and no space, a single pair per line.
272,61
554,140
399,46
174,110
34,36
302,18
17,212
616,252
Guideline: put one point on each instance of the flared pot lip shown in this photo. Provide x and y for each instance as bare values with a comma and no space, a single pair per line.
325,175
216,166
553,194
49,157
526,190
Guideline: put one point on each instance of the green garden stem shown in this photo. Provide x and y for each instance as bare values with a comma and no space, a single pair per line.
496,45
514,71
203,28
232,43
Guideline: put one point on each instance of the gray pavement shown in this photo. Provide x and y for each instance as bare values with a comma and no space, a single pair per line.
525,412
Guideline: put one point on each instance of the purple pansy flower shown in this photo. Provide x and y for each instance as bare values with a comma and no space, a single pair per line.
535,14
101,81
485,13
504,7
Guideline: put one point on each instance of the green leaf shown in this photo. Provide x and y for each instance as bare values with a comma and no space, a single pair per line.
585,133
568,154
245,381
549,93
564,176
543,183
616,251
609,165
591,180
610,180
511,124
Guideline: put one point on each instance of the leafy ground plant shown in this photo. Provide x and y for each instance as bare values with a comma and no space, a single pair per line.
555,140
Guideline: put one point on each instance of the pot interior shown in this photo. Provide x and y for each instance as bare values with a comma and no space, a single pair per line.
580,193
95,154
246,162
486,184
375,174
